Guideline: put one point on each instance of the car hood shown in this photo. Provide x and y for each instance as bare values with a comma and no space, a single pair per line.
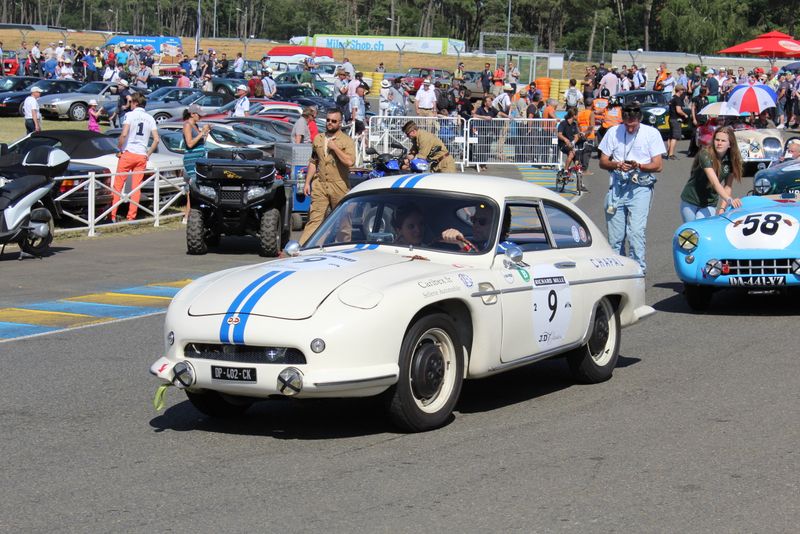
67,96
155,161
292,288
15,94
784,170
163,105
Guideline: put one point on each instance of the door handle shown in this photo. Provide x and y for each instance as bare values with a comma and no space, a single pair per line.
566,265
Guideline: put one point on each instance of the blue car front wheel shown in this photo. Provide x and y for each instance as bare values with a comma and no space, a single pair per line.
698,297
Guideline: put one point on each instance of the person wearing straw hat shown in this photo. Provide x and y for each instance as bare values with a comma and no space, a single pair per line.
385,97
67,73
30,110
242,106
94,126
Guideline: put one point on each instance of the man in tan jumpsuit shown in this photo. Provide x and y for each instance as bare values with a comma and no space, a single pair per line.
332,155
423,143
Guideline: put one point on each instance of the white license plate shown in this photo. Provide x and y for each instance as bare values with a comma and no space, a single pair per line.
234,374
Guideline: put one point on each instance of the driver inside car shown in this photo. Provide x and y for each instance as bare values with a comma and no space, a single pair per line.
481,230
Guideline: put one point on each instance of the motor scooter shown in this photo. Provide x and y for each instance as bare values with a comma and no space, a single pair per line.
24,217
388,164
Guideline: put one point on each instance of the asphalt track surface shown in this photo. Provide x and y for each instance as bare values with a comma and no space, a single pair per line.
698,430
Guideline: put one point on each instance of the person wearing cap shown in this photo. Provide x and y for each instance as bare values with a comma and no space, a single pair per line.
712,84
242,106
94,125
59,51
270,87
137,129
385,97
328,178
632,153
429,146
124,100
425,100
30,110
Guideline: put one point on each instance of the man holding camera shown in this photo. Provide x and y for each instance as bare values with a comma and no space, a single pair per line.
632,153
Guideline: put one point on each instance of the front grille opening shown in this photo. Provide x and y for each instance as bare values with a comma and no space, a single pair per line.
244,353
759,267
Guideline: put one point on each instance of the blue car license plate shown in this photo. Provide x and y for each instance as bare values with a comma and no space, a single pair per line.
234,374
760,281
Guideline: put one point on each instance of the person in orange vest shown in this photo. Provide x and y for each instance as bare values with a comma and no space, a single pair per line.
586,128
498,77
612,117
599,106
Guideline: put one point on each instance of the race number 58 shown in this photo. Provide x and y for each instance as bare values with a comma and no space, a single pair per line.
768,230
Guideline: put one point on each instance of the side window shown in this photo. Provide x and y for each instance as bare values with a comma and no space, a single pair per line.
568,230
525,228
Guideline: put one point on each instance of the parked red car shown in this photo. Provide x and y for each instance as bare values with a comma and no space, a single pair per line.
417,75
11,66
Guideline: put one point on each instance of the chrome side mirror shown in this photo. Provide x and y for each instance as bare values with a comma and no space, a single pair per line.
511,251
292,248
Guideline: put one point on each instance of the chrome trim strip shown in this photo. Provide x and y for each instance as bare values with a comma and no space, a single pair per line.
517,289
607,279
536,357
357,381
485,293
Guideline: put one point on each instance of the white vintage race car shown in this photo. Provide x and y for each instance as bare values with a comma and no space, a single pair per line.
411,285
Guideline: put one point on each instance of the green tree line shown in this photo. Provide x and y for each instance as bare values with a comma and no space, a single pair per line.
699,26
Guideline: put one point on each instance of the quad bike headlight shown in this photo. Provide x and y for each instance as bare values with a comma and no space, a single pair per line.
256,192
208,191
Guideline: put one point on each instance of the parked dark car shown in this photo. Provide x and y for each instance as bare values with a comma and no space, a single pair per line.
780,178
279,130
163,94
321,87
655,110
11,102
305,96
16,83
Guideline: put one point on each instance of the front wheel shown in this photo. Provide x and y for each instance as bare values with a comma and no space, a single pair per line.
595,361
561,181
269,233
161,117
214,404
431,374
196,233
297,222
36,245
78,112
698,297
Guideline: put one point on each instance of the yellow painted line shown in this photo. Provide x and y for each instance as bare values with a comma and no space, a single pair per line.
48,318
176,283
123,299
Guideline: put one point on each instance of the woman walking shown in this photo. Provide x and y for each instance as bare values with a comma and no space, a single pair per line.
716,167
195,138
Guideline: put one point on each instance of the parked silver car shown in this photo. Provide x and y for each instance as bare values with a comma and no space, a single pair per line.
208,102
75,106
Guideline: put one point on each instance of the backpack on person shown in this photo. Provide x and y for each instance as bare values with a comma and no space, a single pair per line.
573,97
442,102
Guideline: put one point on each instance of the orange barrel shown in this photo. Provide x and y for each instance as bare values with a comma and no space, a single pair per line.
543,84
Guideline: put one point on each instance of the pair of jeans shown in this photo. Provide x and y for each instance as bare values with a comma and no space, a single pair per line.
627,208
690,212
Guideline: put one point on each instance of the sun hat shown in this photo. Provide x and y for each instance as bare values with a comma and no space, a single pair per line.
93,102
67,60
427,81
507,87
242,88
194,108
386,84
36,89
123,82
709,71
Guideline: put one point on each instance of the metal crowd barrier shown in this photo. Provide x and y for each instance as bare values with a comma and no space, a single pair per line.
78,197
385,130
513,142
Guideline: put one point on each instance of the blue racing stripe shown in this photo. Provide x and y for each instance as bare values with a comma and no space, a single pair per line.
224,328
12,330
238,330
359,248
400,180
92,308
414,181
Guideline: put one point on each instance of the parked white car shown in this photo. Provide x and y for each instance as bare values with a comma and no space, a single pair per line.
411,285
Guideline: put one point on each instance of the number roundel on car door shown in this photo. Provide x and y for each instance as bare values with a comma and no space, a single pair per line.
552,305
765,230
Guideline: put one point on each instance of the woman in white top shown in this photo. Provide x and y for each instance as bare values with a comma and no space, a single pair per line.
386,97
66,71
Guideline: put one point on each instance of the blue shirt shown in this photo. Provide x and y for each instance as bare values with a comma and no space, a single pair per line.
50,67
122,58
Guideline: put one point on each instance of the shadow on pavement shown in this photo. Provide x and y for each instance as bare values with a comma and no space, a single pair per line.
734,302
13,254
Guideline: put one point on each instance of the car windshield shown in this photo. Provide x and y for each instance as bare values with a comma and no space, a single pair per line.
223,135
172,140
253,133
645,98
160,93
289,92
7,84
190,99
93,88
406,219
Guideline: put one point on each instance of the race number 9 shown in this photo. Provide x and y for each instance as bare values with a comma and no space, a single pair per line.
552,306
769,230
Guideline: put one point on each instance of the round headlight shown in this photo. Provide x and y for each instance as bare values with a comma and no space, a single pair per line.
183,375
688,239
762,185
651,119
317,345
754,145
713,268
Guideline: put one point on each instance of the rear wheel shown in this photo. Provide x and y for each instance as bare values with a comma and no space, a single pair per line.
595,361
195,233
78,112
161,117
214,404
431,374
297,222
36,245
269,234
698,297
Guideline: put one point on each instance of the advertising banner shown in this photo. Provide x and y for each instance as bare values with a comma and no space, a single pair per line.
424,45
170,46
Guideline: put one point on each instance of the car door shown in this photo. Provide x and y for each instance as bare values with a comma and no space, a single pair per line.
210,103
538,303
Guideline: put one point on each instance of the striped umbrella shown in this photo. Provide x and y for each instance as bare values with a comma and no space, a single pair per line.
752,98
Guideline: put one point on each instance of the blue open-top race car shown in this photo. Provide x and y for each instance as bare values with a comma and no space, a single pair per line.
751,247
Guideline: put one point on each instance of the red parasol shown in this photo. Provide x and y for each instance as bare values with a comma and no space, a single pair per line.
772,44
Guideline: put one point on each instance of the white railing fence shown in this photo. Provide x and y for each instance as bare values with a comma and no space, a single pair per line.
513,142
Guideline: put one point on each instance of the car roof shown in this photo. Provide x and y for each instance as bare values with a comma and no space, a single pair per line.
73,142
489,186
